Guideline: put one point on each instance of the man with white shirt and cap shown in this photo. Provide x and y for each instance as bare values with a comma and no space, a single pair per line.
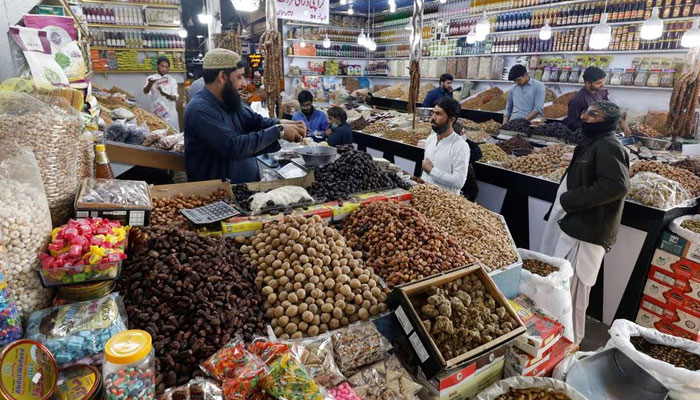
163,90
446,161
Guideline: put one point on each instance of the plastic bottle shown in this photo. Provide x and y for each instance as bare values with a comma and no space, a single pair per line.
103,169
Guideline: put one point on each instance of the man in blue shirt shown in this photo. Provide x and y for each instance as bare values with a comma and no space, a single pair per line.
314,119
526,98
222,137
444,90
339,133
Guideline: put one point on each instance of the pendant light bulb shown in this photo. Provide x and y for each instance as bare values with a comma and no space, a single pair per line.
361,38
182,33
326,42
350,10
439,24
600,35
392,8
371,45
471,37
546,31
652,28
204,18
691,37
302,44
343,2
443,1
483,27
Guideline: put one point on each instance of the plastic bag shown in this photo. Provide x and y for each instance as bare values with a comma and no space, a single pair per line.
195,389
385,380
551,292
78,330
239,371
287,379
316,354
358,345
25,226
266,349
682,383
121,113
657,191
126,132
114,192
52,132
10,323
687,234
281,196
518,382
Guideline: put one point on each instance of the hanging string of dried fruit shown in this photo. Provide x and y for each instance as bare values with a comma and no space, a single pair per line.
684,99
237,46
415,56
271,49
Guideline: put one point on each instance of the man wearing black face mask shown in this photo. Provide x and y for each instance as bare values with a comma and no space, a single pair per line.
223,137
585,218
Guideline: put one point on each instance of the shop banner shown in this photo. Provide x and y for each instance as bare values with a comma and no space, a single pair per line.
314,11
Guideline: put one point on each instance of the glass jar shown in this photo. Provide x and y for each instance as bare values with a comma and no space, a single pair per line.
667,78
641,78
574,75
554,76
616,78
547,74
654,78
129,369
564,76
628,77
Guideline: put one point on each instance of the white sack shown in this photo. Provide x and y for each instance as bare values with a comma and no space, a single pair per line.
521,382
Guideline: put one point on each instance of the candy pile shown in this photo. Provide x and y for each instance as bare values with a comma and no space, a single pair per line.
286,378
84,250
344,392
238,370
130,383
10,323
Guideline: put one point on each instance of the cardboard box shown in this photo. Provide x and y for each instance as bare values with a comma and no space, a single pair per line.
542,329
462,383
342,209
682,319
650,320
246,226
397,194
203,188
368,197
676,245
681,273
561,349
661,281
523,363
125,214
429,356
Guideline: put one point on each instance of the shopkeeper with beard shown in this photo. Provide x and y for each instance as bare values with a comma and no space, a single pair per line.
222,136
446,154
585,218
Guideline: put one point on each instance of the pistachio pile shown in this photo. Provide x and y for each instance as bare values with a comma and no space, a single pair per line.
479,231
400,244
461,315
691,225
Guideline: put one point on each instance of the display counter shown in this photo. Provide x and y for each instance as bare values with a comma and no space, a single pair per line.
474,115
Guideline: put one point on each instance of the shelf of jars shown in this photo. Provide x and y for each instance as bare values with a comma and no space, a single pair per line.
153,27
160,4
534,53
608,86
319,41
135,40
134,49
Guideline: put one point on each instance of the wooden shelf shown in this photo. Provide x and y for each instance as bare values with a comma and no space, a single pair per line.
135,49
151,27
144,156
123,3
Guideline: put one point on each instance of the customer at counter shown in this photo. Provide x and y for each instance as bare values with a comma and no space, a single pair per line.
526,98
585,217
443,90
315,120
222,137
592,91
340,132
446,153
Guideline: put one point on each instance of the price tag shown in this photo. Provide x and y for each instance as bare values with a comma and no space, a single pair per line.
403,320
421,352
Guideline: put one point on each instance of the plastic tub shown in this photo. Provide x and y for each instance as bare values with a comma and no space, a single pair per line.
129,366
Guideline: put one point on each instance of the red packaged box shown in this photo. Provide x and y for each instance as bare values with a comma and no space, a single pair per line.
672,318
561,349
542,329
684,274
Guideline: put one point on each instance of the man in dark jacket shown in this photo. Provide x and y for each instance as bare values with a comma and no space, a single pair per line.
339,132
585,218
444,90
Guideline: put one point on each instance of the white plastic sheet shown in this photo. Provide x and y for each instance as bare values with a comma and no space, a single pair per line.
675,227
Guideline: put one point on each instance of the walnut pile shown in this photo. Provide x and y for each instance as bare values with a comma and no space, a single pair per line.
686,178
480,231
461,315
400,244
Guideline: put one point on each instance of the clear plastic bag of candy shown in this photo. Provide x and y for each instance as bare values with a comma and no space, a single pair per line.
117,192
266,349
10,322
358,345
237,369
195,389
385,380
77,330
316,354
287,379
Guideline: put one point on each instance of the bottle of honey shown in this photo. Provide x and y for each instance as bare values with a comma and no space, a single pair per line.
103,169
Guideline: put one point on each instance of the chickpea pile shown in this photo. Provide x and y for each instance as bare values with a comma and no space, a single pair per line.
312,281
400,244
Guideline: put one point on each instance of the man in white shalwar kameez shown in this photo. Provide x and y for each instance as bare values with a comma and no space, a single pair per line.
585,217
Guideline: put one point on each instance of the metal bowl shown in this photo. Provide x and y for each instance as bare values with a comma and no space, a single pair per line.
317,156
423,112
654,144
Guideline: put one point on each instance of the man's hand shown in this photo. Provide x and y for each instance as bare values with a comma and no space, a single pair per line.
294,132
328,132
427,165
506,118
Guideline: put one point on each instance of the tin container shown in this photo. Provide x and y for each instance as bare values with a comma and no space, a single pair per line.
20,363
86,292
79,382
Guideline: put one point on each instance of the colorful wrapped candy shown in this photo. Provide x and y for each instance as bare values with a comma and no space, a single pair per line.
267,350
84,250
10,323
287,379
237,369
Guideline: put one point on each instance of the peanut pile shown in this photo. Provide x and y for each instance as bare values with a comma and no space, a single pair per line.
408,137
686,178
477,136
461,315
691,164
400,244
691,225
534,164
491,152
479,231
538,267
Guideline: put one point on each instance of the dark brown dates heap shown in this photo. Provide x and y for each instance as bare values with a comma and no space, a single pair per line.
242,195
192,294
677,357
400,244
516,143
354,171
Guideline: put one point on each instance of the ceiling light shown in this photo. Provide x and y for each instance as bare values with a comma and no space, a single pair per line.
371,45
182,33
350,10
326,42
691,37
392,8
199,36
439,24
244,31
653,27
361,38
600,35
204,18
200,55
302,44
546,31
246,5
483,26
471,37
443,1
343,2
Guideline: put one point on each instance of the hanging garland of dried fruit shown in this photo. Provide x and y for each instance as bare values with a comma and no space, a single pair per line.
415,56
684,99
229,39
271,49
